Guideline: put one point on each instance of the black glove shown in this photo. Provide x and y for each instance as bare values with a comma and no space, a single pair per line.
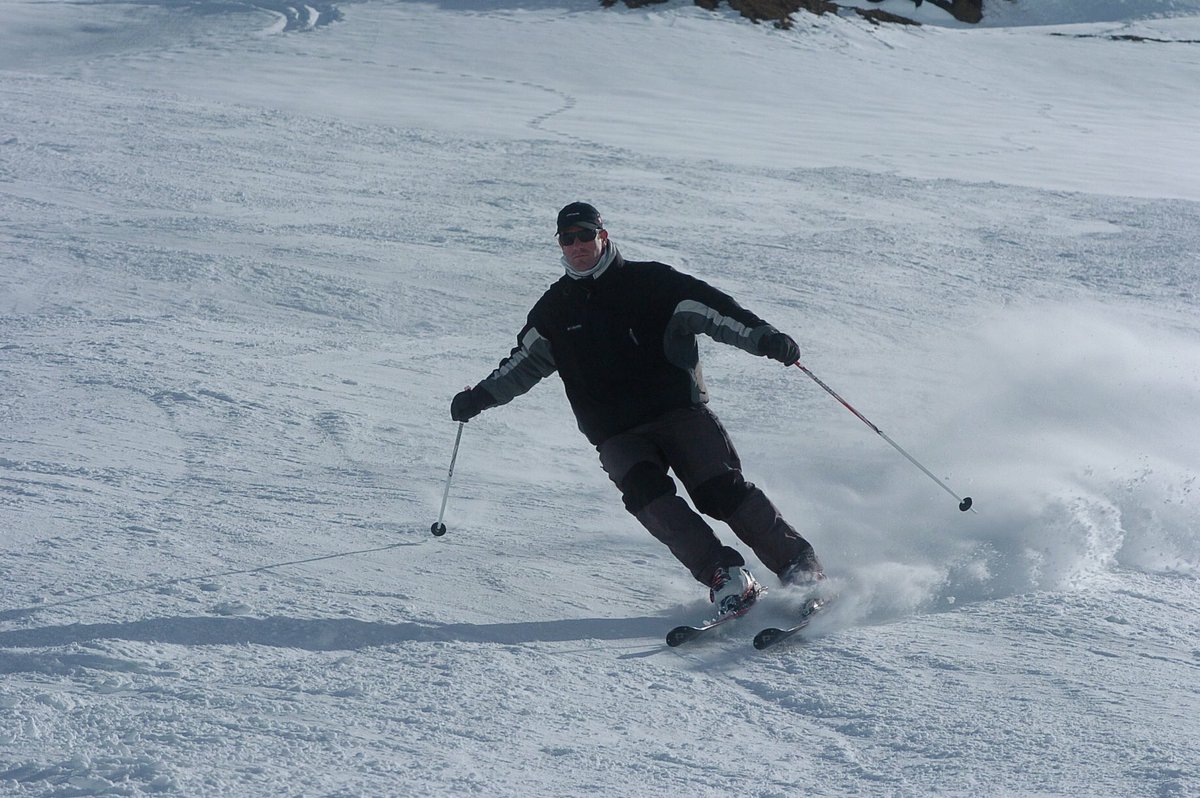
781,347
470,403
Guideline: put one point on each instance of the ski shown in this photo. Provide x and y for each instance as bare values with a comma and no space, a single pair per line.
770,636
682,634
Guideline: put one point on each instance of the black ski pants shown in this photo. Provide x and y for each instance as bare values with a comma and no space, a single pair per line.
694,445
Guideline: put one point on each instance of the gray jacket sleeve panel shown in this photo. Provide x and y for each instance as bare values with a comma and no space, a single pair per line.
701,308
729,325
694,317
530,361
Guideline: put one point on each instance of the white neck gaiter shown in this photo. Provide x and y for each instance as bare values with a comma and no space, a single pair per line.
606,257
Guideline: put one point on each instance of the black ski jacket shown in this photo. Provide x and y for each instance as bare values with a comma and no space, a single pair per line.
624,344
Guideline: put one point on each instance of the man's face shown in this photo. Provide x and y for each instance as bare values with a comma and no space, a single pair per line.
582,254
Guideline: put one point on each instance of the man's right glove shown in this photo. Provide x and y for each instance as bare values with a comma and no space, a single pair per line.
781,347
470,403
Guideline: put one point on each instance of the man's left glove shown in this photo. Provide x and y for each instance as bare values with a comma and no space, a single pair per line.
470,403
781,347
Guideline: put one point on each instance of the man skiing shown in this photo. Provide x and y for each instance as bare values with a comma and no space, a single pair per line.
622,336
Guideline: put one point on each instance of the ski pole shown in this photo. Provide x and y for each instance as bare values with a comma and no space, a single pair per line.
963,504
438,529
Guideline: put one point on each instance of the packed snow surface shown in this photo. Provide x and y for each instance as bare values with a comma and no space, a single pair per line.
250,250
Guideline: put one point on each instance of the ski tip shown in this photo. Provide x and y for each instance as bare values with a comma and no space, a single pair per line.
680,635
766,638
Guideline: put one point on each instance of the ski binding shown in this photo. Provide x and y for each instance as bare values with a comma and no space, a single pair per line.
682,634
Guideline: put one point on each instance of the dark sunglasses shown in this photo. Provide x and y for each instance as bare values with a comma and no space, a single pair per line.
567,239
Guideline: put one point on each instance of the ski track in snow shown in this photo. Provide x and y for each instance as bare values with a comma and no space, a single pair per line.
233,310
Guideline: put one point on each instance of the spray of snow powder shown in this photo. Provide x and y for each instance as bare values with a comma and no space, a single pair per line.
1072,427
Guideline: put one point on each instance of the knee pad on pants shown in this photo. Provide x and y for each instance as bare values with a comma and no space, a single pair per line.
721,496
644,483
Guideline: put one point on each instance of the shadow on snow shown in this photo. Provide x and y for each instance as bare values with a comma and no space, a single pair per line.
320,634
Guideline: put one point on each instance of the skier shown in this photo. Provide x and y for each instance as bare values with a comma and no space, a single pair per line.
622,336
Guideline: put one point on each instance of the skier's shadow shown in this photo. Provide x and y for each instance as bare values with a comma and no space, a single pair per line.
312,634
326,634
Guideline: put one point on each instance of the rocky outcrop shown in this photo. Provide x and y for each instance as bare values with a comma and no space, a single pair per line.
780,12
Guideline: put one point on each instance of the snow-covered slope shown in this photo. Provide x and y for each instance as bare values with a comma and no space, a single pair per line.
243,269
